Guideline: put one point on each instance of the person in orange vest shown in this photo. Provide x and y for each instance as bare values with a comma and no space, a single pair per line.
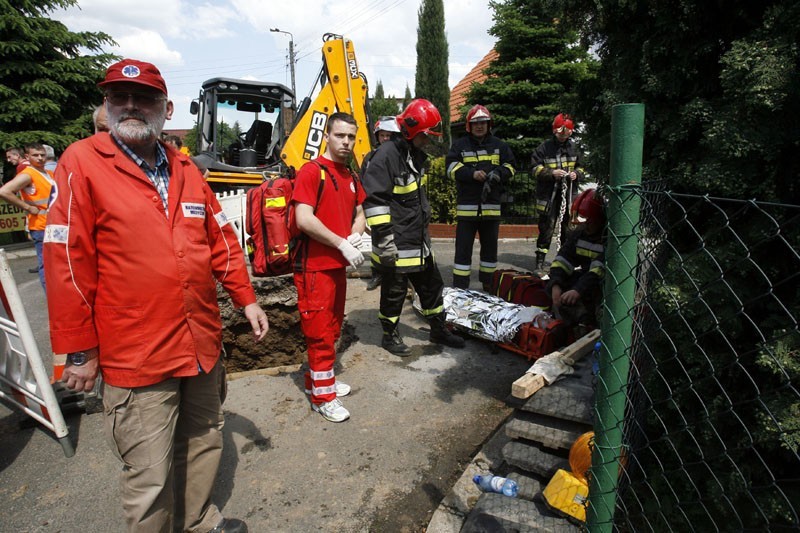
33,185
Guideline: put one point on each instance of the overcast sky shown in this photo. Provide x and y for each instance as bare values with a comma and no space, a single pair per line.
191,41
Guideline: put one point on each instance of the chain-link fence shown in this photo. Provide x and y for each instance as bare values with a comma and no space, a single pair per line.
710,373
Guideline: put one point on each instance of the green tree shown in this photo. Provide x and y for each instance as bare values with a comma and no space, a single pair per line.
48,76
431,80
191,138
717,445
380,105
720,86
535,76
407,96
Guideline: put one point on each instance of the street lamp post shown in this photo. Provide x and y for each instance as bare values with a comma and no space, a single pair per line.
291,62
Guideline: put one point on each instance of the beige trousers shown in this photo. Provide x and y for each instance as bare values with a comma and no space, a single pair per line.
169,438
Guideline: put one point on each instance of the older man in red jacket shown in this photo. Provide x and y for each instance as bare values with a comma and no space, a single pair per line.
134,246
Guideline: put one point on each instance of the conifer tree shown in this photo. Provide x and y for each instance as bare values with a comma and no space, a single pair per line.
431,81
49,75
380,105
536,75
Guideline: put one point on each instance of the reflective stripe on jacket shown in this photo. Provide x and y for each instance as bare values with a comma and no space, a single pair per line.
469,154
397,208
549,156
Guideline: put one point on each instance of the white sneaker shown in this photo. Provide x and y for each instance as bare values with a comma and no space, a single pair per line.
333,411
342,389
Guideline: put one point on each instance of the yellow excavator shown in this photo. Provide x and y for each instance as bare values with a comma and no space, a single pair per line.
268,147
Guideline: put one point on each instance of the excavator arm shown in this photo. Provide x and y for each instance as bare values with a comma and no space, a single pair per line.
344,89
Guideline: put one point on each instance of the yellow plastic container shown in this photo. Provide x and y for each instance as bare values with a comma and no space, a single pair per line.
567,494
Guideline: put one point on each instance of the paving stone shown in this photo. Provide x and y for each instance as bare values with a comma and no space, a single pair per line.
530,486
534,458
547,430
569,399
495,513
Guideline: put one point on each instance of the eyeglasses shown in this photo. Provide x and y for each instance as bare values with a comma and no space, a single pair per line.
139,99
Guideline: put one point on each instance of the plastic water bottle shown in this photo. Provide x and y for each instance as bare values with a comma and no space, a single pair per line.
596,358
500,485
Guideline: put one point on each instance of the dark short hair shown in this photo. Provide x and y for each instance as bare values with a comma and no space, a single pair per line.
16,150
34,146
340,117
174,139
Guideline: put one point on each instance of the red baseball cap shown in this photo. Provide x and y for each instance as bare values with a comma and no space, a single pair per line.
134,71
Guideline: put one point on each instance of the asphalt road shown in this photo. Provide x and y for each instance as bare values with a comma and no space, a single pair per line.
415,423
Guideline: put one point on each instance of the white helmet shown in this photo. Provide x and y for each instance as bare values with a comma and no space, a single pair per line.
386,124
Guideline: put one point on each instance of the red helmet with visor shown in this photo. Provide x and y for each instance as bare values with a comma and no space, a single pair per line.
420,116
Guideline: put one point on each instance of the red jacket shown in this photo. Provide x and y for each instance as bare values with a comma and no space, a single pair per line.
123,276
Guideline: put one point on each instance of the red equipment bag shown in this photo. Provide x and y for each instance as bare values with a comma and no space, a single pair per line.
501,282
534,342
524,288
529,291
271,227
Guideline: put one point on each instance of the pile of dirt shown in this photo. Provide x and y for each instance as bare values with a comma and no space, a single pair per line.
284,344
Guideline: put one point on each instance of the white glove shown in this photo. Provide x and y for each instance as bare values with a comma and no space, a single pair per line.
356,240
351,253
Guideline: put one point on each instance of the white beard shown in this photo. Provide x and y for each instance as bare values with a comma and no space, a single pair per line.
137,132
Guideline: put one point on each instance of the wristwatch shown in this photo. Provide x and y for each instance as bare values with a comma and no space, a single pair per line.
77,358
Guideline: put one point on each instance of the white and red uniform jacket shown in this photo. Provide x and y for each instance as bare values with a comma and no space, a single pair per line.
124,276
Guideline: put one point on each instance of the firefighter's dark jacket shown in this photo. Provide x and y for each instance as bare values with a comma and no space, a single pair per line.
469,154
549,156
584,251
397,207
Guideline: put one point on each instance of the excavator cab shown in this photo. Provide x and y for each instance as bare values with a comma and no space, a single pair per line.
242,127
247,132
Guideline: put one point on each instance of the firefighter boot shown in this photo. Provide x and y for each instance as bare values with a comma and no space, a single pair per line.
540,261
392,341
441,335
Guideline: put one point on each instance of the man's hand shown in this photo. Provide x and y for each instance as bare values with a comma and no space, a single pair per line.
573,175
351,253
355,239
258,320
559,173
82,378
479,175
570,297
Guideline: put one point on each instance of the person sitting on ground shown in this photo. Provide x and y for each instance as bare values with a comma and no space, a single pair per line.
576,275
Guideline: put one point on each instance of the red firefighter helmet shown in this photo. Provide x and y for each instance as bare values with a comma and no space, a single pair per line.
588,207
478,113
420,116
563,122
387,123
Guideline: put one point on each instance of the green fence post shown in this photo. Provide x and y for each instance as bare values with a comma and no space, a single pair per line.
627,134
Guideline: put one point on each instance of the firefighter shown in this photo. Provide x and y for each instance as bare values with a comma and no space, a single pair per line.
576,275
558,168
398,214
385,127
481,165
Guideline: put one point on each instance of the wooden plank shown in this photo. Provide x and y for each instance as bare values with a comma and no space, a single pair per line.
575,351
527,385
